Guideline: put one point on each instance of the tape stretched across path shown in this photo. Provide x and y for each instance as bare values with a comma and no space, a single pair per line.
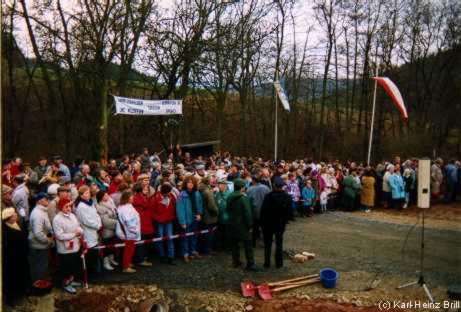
154,240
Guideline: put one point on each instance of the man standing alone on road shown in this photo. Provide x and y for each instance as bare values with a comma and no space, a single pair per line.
275,213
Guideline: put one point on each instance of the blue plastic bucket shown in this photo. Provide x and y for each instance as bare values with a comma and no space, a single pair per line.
328,277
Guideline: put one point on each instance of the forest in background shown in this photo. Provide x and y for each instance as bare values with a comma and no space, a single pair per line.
221,58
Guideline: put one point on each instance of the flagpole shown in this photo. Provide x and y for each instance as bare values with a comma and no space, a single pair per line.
276,117
373,115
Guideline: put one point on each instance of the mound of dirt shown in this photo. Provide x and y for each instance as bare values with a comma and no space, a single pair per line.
111,298
303,305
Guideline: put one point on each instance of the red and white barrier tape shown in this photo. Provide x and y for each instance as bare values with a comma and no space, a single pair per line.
154,240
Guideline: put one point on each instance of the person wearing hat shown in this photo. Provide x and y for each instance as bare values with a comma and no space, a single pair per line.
239,226
20,198
276,211
6,196
15,265
223,218
200,172
67,232
40,238
55,193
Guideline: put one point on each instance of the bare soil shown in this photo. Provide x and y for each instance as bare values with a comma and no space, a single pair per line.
303,305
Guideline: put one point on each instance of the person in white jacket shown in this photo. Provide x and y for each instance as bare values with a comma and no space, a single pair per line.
128,228
67,232
90,221
40,238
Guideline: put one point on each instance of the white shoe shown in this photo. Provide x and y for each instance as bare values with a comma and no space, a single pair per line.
106,264
112,260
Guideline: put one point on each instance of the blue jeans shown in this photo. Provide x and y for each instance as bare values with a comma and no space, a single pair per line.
164,229
189,243
209,238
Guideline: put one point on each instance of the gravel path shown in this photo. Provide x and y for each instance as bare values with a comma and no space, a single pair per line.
344,241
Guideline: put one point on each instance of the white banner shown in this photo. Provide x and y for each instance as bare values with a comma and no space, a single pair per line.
127,106
282,96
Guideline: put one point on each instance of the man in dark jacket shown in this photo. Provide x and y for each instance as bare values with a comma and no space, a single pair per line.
240,222
275,213
210,213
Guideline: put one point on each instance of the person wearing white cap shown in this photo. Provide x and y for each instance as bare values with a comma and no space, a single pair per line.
40,238
15,265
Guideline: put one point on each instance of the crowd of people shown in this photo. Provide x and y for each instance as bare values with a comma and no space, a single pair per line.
53,211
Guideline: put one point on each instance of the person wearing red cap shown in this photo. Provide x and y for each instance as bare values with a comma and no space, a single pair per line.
68,232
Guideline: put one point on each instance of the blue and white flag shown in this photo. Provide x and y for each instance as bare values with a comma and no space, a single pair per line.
127,106
281,94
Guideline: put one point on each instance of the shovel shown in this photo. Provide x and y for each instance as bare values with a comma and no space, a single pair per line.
265,292
293,280
288,281
248,289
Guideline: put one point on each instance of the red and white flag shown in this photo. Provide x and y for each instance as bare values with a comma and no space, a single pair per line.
394,93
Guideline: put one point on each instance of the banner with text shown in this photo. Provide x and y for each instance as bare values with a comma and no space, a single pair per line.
282,96
127,106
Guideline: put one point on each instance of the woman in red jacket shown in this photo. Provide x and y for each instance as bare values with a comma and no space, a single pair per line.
164,212
142,203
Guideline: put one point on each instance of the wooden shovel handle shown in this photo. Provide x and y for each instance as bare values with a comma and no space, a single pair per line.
309,282
293,280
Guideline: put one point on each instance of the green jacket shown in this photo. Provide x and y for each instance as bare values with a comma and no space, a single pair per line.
210,210
351,187
221,201
240,219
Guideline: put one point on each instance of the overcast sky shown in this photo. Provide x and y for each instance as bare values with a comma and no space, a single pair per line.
303,15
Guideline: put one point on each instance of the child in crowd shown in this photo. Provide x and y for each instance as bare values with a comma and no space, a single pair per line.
308,196
408,181
323,201
293,190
